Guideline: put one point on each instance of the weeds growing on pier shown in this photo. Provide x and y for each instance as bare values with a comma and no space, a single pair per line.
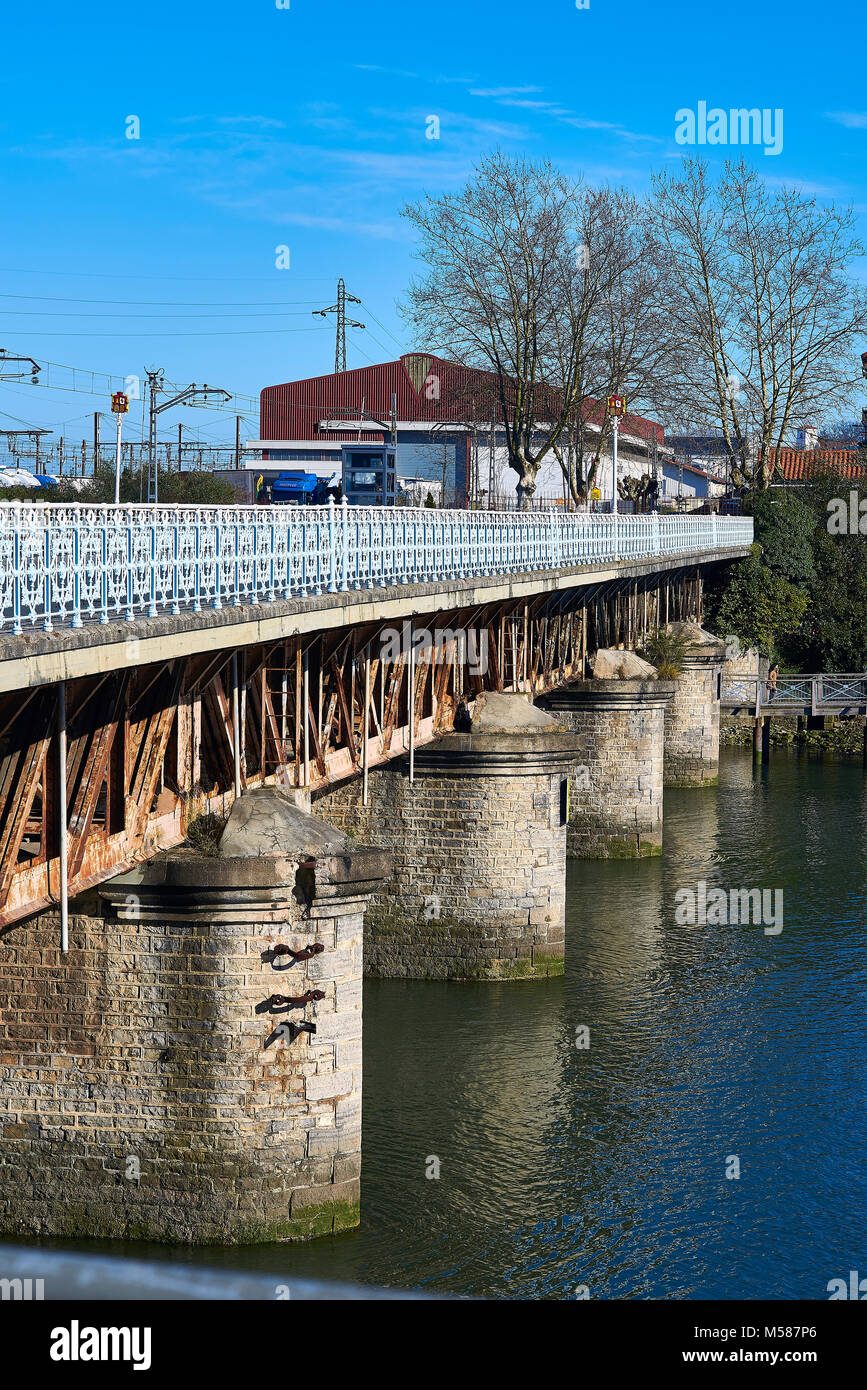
666,651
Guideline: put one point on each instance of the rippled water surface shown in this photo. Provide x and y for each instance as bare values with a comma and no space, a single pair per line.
606,1167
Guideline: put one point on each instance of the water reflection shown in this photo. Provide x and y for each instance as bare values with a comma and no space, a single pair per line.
605,1167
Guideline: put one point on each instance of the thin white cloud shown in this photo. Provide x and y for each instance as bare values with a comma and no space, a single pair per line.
521,98
503,91
853,120
258,122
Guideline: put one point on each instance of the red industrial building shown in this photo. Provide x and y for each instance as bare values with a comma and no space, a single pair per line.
442,413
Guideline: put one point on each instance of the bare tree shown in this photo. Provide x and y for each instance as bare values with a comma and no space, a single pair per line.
613,330
495,255
556,289
765,311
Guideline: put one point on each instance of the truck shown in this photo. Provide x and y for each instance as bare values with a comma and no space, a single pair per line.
296,488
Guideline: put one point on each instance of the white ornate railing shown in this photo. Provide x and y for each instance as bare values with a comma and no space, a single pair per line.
77,564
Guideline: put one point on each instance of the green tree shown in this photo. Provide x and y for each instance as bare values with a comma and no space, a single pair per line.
784,528
759,606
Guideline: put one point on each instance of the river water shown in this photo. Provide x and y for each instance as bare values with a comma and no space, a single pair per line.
604,1168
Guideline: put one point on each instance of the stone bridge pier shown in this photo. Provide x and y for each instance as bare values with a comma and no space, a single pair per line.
152,1085
615,804
478,842
692,714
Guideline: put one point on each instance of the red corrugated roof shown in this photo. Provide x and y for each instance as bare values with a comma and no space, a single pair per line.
428,389
797,465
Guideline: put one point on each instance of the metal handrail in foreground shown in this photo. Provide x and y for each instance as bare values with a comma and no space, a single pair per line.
72,564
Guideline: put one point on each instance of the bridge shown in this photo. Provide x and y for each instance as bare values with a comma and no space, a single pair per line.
181,656
843,695
160,665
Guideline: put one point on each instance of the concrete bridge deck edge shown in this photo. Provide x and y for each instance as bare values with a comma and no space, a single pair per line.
41,658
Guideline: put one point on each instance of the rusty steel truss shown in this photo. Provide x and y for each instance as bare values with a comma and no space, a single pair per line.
152,750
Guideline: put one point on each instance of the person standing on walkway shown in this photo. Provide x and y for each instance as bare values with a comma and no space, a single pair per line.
772,681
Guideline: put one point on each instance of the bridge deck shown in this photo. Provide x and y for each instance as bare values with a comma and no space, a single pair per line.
242,650
94,589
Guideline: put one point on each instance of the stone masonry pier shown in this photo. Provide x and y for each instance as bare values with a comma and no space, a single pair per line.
692,715
152,1087
615,809
478,842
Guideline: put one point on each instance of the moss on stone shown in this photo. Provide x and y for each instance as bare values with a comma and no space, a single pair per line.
613,848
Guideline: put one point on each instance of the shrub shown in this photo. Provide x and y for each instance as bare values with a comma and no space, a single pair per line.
665,650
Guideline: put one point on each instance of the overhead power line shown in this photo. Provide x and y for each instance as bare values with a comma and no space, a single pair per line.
224,333
173,303
387,331
84,314
187,279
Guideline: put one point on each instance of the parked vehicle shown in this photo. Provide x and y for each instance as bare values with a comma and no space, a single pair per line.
298,489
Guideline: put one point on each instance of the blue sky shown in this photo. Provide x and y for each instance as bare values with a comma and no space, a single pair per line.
306,127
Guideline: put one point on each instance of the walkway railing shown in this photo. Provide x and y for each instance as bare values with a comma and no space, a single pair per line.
810,694
76,564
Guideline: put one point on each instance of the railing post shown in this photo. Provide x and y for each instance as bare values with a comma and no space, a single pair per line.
331,587
103,617
344,524
152,605
218,561
46,622
176,607
76,567
303,574
236,596
129,570
16,569
197,601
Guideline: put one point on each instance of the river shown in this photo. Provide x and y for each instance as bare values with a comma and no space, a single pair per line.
565,1169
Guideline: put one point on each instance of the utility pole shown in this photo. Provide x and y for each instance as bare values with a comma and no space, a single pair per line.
237,443
616,408
95,440
342,323
187,396
155,385
614,428
490,505
180,446
119,406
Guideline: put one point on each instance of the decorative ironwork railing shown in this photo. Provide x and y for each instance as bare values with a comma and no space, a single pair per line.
807,692
76,564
